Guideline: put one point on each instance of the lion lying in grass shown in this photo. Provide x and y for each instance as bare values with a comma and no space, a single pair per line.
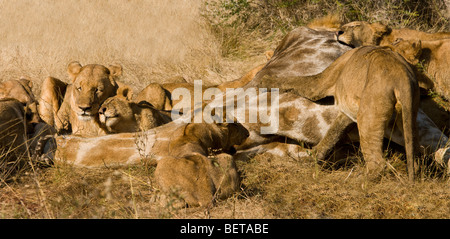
118,114
361,33
13,140
180,151
201,175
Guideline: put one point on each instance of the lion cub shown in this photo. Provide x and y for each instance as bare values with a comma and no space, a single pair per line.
200,166
119,114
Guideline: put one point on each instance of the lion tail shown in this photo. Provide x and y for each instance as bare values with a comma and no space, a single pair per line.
409,108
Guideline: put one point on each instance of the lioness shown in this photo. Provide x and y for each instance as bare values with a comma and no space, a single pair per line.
368,83
179,149
362,33
91,86
435,58
199,179
118,114
21,90
435,54
171,139
13,139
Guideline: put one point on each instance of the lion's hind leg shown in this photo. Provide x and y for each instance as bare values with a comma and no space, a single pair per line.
372,119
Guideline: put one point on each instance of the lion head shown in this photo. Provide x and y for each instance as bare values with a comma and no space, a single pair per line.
115,110
92,85
21,91
360,33
236,135
409,49
119,114
215,136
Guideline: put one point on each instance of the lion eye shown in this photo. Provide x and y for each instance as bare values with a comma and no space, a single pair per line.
79,88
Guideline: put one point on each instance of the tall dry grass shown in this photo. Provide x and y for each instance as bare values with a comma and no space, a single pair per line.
242,23
152,39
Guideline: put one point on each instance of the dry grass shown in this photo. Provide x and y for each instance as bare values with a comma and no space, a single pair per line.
155,40
272,187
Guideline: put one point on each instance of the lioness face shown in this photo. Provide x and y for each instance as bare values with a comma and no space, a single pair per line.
357,34
409,49
115,110
91,87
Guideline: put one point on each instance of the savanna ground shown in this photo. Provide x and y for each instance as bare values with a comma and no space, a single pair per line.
214,41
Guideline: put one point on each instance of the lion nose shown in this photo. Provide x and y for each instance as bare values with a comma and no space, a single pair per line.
339,33
102,110
85,108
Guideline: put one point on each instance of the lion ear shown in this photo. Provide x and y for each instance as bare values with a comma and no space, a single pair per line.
25,81
125,91
379,29
417,44
115,69
73,69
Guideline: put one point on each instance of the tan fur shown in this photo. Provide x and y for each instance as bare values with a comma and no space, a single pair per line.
198,171
362,33
197,178
409,49
330,22
308,52
21,90
368,83
13,131
91,86
435,54
20,123
174,145
118,114
156,95
435,58
51,98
